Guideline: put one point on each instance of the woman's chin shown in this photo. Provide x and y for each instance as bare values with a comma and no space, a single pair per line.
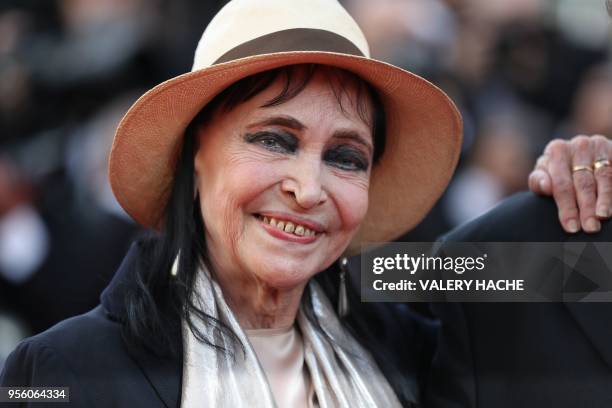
285,274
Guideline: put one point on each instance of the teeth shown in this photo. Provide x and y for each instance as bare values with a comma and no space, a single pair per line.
289,227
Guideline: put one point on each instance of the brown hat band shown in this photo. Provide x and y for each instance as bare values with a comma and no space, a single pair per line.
294,39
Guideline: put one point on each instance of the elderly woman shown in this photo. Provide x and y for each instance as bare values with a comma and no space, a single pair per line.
283,150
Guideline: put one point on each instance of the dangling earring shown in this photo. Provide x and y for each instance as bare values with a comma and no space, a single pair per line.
175,264
343,306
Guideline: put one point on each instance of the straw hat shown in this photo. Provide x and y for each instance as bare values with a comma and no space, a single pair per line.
250,36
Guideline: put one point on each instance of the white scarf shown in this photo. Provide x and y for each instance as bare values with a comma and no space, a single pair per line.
342,372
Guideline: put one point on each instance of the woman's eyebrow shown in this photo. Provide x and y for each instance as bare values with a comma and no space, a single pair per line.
354,136
285,121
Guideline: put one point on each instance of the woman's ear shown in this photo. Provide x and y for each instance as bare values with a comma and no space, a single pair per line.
196,133
195,145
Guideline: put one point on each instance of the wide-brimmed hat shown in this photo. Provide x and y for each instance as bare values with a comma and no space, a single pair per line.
246,37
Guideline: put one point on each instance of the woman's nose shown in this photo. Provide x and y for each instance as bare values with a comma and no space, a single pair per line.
304,183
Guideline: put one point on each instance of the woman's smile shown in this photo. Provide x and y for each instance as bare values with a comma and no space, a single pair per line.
290,228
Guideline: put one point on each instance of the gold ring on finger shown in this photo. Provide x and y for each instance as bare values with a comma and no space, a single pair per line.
599,163
582,167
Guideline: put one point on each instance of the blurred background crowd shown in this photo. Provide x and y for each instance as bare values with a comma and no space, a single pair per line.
522,72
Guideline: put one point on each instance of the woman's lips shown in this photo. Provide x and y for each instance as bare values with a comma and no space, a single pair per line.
296,220
287,230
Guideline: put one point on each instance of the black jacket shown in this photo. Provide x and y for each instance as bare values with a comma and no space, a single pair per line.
87,354
513,355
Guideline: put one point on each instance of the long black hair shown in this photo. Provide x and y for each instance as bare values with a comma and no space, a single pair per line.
158,302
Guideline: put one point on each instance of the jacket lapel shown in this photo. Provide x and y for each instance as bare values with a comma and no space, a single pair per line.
163,374
595,320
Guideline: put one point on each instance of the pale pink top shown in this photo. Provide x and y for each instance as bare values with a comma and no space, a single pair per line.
281,355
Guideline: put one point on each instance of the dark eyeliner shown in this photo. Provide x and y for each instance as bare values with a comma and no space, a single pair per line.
346,158
285,142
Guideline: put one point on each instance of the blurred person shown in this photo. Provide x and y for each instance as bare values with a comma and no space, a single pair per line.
15,87
87,157
481,25
24,238
268,188
284,170
415,34
499,165
68,218
529,57
517,49
79,54
99,37
24,245
592,106
65,223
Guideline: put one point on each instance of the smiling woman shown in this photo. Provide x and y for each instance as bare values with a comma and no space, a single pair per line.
279,164
285,149
281,177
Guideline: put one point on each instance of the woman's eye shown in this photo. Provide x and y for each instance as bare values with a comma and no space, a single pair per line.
269,142
274,142
346,158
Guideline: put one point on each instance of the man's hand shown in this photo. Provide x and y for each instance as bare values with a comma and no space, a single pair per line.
578,174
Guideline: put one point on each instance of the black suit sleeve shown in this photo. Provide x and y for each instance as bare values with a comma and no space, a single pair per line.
34,364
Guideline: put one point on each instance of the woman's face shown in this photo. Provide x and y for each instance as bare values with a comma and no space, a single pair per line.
283,189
